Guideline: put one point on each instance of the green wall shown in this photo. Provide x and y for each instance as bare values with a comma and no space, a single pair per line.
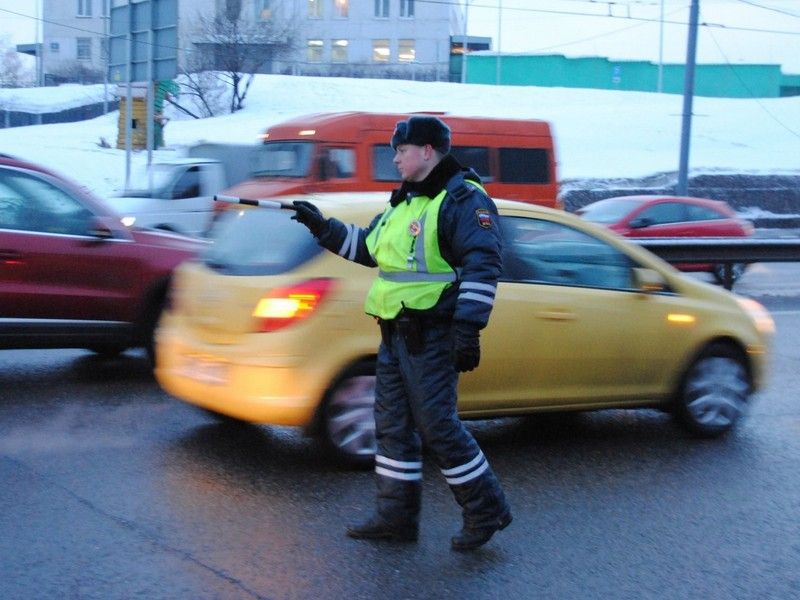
555,70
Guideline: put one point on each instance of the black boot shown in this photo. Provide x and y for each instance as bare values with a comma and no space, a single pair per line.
376,528
470,537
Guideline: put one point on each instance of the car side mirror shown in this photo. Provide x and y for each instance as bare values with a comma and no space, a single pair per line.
640,223
100,229
648,281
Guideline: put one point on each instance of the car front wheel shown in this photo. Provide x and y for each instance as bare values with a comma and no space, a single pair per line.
714,392
348,423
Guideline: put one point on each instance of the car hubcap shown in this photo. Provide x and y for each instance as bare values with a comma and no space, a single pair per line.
351,420
716,391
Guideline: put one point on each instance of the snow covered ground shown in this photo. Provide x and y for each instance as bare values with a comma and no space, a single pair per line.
599,134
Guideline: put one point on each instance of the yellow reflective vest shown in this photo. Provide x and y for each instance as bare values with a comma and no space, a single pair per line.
405,246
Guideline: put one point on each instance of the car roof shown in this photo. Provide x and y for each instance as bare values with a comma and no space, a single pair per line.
186,161
642,198
356,206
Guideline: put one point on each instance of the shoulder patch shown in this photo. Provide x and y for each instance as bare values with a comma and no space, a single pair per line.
484,218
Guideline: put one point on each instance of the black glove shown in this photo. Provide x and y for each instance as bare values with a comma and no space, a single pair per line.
310,216
466,347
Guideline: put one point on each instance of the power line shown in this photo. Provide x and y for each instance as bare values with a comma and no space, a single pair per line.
770,8
573,13
746,87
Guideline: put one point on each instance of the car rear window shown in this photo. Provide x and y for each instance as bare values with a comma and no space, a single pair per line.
608,211
259,241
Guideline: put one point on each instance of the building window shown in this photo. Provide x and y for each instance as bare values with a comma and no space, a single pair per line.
341,8
264,10
380,51
382,9
315,9
406,51
84,8
339,51
315,48
407,9
105,8
84,48
55,46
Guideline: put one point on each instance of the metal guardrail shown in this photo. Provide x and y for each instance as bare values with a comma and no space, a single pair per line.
726,251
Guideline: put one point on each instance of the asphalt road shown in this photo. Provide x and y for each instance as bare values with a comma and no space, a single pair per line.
113,490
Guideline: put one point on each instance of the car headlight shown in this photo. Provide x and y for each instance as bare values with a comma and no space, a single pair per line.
761,317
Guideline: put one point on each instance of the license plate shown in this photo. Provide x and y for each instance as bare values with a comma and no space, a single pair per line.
204,370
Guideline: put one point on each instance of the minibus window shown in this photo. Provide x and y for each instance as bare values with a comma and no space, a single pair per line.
383,168
524,165
476,157
283,159
339,163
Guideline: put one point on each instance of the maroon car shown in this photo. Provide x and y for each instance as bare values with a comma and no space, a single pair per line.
71,274
671,216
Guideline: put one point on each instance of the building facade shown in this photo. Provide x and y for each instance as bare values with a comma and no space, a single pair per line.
358,38
406,39
74,40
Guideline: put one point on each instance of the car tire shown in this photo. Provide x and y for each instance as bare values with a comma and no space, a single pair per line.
714,391
150,324
108,350
737,270
348,417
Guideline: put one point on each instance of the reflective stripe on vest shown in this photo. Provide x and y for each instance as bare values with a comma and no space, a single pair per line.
405,244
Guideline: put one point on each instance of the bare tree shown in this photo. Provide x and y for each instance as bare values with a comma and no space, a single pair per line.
13,73
237,48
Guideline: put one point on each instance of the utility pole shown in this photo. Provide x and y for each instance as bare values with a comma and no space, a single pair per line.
464,44
682,188
499,37
660,86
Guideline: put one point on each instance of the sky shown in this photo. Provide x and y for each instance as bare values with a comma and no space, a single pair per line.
599,134
734,31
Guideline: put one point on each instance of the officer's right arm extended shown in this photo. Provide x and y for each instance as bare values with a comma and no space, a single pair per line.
348,241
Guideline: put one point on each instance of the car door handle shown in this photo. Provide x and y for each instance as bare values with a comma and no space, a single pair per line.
10,255
556,315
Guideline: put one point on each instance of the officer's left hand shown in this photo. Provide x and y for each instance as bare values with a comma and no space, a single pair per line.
466,347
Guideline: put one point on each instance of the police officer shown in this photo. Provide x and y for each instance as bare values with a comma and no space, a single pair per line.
437,248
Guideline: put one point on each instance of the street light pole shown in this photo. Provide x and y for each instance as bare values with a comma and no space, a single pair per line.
682,188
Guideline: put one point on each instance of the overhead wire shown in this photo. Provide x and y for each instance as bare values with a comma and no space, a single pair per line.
749,90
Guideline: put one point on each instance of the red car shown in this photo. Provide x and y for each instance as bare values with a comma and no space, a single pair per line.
71,274
671,216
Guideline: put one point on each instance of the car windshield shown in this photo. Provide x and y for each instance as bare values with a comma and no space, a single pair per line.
608,211
145,179
283,159
259,241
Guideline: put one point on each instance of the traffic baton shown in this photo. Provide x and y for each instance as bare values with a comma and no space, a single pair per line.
253,202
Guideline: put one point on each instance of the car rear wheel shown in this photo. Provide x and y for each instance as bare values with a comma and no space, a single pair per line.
348,421
108,350
714,392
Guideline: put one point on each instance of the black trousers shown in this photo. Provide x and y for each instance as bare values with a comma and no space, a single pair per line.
415,402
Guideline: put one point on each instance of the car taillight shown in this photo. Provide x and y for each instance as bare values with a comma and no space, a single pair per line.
282,307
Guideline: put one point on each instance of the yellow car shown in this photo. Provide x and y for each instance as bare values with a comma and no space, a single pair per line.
269,328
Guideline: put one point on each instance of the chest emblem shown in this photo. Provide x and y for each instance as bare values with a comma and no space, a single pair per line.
415,227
